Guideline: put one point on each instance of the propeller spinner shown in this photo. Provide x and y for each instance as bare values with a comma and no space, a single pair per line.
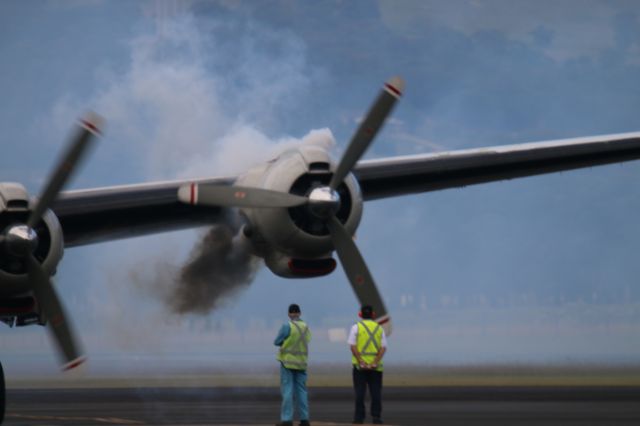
323,202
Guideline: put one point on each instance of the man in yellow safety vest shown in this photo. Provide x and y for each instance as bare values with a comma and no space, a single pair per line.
293,339
368,344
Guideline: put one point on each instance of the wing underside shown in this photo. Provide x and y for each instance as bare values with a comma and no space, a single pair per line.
431,172
103,214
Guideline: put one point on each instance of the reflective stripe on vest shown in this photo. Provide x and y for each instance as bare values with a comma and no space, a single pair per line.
368,342
295,348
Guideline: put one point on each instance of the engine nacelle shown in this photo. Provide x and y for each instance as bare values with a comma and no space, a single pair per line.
296,233
15,208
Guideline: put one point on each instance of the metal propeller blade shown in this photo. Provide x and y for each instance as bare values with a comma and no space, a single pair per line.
357,272
39,279
54,313
368,128
237,196
89,126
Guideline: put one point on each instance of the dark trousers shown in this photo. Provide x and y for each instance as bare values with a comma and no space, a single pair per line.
372,379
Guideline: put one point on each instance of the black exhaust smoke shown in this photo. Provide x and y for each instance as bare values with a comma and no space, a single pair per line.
218,268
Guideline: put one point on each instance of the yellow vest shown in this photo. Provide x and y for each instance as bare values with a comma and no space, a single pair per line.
295,348
368,342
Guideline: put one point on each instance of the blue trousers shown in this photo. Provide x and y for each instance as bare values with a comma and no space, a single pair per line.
293,382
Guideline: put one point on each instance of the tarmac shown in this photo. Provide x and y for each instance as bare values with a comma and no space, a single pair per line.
330,406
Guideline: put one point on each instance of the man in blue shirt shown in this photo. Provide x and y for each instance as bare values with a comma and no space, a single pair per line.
293,340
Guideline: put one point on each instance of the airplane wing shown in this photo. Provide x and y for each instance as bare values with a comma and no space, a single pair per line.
390,177
104,214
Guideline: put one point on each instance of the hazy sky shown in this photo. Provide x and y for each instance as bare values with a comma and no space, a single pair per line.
206,88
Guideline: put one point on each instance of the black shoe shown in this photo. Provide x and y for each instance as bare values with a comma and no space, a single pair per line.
357,422
304,423
284,424
377,421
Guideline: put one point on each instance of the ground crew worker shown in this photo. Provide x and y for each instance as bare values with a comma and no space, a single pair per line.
368,344
293,339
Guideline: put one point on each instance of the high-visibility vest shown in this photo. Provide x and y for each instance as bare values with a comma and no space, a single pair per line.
295,348
368,342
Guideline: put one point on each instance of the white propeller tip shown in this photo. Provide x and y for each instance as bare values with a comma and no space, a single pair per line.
74,363
188,193
395,86
92,122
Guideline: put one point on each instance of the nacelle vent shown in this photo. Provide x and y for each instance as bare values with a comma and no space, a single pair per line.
297,267
312,267
319,167
17,205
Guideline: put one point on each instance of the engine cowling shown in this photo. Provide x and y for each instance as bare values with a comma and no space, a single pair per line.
284,237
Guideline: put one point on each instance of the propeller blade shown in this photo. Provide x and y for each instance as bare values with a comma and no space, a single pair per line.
368,128
237,196
89,126
54,313
357,272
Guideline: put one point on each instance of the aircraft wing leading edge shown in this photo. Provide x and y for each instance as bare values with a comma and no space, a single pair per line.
104,214
390,177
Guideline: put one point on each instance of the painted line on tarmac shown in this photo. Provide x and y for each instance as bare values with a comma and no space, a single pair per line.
108,420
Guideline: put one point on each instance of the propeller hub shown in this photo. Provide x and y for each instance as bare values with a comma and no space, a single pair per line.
324,202
20,240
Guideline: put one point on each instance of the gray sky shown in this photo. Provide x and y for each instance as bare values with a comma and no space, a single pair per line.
538,269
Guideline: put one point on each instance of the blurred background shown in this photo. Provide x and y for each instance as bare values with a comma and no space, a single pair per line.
537,271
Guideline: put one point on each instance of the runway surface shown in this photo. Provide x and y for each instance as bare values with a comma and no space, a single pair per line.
329,406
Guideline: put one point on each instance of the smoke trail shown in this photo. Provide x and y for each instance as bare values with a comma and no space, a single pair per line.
219,266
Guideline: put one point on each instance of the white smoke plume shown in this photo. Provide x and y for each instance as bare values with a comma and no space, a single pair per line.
193,101
190,104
